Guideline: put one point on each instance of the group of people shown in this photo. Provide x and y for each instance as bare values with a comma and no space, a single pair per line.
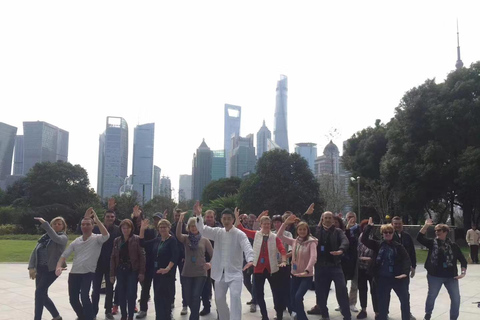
241,250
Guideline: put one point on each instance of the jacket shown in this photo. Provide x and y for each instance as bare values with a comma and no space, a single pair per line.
338,241
55,248
135,252
407,242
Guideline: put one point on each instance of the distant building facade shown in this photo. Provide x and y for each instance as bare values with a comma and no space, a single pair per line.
308,151
185,187
112,157
165,187
156,180
18,156
201,170
219,163
233,115
7,144
280,131
263,135
143,150
242,159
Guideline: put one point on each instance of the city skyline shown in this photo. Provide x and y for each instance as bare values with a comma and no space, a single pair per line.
346,68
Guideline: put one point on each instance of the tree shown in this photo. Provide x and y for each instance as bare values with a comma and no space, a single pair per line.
333,193
125,203
219,204
159,204
221,188
282,182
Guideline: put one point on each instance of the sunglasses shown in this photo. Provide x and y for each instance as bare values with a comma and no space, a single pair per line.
388,232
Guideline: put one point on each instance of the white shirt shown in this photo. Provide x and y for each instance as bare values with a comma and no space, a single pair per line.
230,246
86,253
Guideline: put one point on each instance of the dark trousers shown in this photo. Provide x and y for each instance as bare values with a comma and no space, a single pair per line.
193,291
284,274
474,253
97,284
145,294
163,295
363,278
127,291
249,283
42,282
384,288
207,292
324,275
275,285
79,286
180,269
298,287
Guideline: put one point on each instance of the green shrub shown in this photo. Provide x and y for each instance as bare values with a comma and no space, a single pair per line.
8,229
8,215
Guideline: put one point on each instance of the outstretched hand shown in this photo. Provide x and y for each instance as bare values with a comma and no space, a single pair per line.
370,221
182,216
429,222
41,220
291,219
111,204
263,214
248,265
197,208
145,224
402,276
136,211
236,212
310,209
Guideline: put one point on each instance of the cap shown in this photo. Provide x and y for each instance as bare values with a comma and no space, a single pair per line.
158,215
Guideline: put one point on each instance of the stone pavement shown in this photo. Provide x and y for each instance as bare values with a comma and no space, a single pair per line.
17,297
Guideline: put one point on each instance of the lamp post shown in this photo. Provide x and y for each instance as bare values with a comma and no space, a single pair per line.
358,195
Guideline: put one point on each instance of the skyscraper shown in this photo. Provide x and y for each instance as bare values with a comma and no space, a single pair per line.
43,142
280,131
262,140
156,180
166,187
219,163
185,187
201,170
143,147
242,158
233,116
112,157
7,143
309,152
18,156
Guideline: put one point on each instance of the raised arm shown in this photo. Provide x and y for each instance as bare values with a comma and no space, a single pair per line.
57,238
206,231
366,240
421,238
179,232
281,231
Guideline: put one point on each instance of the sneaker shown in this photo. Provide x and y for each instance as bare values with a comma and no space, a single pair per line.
249,302
57,318
205,311
253,308
428,316
354,309
362,314
184,311
314,310
109,316
412,317
115,310
293,315
338,308
141,314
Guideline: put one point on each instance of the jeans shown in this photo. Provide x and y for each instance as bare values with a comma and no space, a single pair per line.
207,292
97,284
163,288
298,287
434,286
79,285
193,290
180,264
43,281
127,291
275,285
363,279
384,288
221,288
474,253
324,275
145,292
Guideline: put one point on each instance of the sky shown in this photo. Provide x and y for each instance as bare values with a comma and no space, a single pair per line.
177,63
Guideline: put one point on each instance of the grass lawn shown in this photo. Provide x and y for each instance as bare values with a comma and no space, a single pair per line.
18,250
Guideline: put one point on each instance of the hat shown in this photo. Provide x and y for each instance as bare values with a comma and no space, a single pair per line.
158,215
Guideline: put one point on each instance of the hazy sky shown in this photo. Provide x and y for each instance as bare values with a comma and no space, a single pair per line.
177,63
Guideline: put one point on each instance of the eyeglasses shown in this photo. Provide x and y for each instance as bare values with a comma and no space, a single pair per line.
388,232
439,230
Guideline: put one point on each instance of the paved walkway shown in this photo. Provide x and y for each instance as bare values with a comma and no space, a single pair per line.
17,295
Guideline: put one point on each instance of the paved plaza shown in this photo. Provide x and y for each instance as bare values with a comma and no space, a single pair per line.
17,296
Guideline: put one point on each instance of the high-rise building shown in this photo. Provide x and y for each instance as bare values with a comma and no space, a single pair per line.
18,156
307,150
262,140
7,143
271,145
219,163
165,187
43,142
112,157
201,170
280,131
185,187
142,171
156,180
243,158
233,116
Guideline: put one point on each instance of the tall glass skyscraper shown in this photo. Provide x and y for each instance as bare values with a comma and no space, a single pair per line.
185,187
7,143
201,170
112,157
280,131
243,158
233,115
43,142
263,135
18,156
166,187
309,152
219,163
156,180
143,147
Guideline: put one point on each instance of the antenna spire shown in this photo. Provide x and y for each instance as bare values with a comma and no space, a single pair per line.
459,63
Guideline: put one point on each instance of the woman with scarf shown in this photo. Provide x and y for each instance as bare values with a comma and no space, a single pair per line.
304,256
391,269
127,264
195,267
43,262
441,266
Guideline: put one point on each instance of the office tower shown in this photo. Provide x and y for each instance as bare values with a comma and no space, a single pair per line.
219,163
243,158
142,171
7,143
156,180
309,152
18,156
43,142
201,170
185,187
271,145
166,187
231,128
280,130
263,135
112,157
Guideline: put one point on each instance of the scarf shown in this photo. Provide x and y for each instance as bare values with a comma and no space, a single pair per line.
194,239
448,252
44,240
383,257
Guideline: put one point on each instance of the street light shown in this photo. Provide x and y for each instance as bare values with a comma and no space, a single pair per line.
358,195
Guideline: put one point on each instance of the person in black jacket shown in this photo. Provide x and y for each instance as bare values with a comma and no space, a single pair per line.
441,265
392,266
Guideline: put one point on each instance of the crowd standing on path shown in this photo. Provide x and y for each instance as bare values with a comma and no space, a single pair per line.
213,254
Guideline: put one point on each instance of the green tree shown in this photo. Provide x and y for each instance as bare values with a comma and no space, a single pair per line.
159,204
219,204
125,203
221,188
282,182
